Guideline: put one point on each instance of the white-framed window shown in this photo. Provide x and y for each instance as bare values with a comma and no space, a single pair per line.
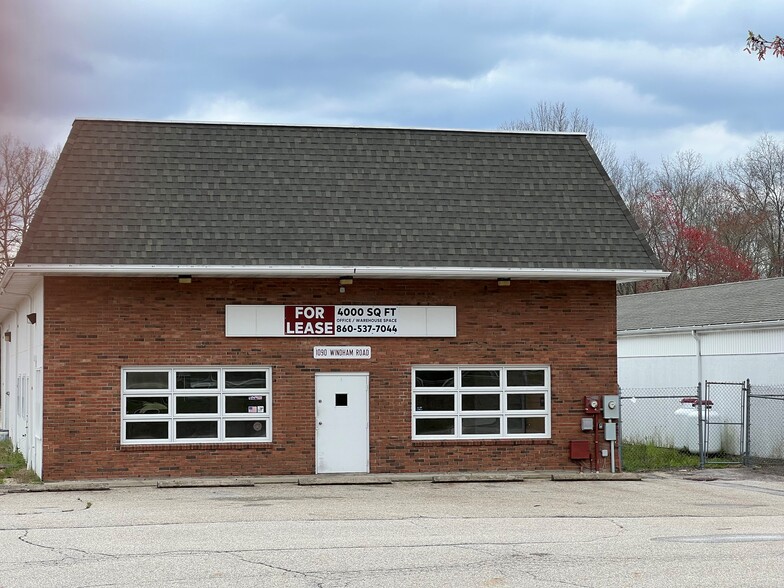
196,405
480,402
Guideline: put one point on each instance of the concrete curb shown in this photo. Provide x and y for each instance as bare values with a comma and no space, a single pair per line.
55,487
343,480
205,483
477,478
600,477
314,480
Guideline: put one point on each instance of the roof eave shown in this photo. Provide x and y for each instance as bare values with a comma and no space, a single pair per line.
306,271
701,328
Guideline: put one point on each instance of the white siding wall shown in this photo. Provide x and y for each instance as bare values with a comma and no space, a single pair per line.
670,361
21,384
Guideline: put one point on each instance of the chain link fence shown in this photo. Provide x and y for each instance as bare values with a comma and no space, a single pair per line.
766,425
660,427
725,431
651,437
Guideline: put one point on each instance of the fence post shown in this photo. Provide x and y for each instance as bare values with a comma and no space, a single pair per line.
620,431
700,440
747,452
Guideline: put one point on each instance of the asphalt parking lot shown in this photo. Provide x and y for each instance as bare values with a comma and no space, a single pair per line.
684,529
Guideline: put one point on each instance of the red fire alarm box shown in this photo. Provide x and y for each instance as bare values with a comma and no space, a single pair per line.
579,450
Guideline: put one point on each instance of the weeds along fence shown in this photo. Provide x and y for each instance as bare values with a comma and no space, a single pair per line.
766,424
650,435
741,423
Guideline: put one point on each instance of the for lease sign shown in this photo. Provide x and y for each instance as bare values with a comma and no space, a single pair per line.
340,320
311,320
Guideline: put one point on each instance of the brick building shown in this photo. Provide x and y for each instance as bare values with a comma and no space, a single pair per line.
216,299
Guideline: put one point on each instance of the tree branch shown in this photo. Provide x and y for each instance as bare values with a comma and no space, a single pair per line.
759,45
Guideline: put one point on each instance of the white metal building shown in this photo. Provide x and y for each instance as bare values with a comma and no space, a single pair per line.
722,333
670,341
21,371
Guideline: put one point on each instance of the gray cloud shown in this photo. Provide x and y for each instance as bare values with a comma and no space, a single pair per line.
651,74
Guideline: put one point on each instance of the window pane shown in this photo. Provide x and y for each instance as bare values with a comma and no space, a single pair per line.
246,404
525,377
481,426
480,401
435,378
147,405
246,428
522,425
435,426
480,378
197,429
197,380
432,402
525,402
197,404
246,379
139,431
146,380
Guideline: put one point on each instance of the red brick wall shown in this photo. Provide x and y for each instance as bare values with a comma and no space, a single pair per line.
96,326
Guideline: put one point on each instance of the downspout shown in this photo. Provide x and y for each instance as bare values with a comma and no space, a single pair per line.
698,354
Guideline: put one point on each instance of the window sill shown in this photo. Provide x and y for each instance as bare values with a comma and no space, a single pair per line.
195,446
452,442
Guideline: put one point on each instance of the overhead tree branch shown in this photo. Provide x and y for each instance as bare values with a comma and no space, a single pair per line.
759,45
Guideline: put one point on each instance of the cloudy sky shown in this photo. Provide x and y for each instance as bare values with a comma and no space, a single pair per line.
656,76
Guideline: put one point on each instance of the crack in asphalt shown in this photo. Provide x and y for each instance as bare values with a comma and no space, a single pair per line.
553,580
270,566
321,578
414,519
62,550
617,524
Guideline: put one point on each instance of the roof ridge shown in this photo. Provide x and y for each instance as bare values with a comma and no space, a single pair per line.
327,126
692,288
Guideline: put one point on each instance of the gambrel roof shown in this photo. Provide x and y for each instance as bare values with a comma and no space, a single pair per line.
195,194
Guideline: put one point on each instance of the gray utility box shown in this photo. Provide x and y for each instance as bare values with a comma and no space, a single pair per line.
611,407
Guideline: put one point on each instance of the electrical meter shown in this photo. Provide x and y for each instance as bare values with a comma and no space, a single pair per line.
592,405
611,407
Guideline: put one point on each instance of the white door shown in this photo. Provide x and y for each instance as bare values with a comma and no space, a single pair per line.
342,441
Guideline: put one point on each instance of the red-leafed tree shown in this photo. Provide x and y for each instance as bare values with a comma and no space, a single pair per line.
693,254
709,262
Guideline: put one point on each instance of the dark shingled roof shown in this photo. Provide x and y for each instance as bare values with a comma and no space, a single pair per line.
229,194
722,304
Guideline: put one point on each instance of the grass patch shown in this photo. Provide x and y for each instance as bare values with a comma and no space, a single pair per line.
13,465
638,457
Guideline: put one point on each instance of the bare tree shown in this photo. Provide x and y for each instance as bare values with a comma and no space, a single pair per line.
696,230
24,172
555,117
756,184
690,184
635,181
